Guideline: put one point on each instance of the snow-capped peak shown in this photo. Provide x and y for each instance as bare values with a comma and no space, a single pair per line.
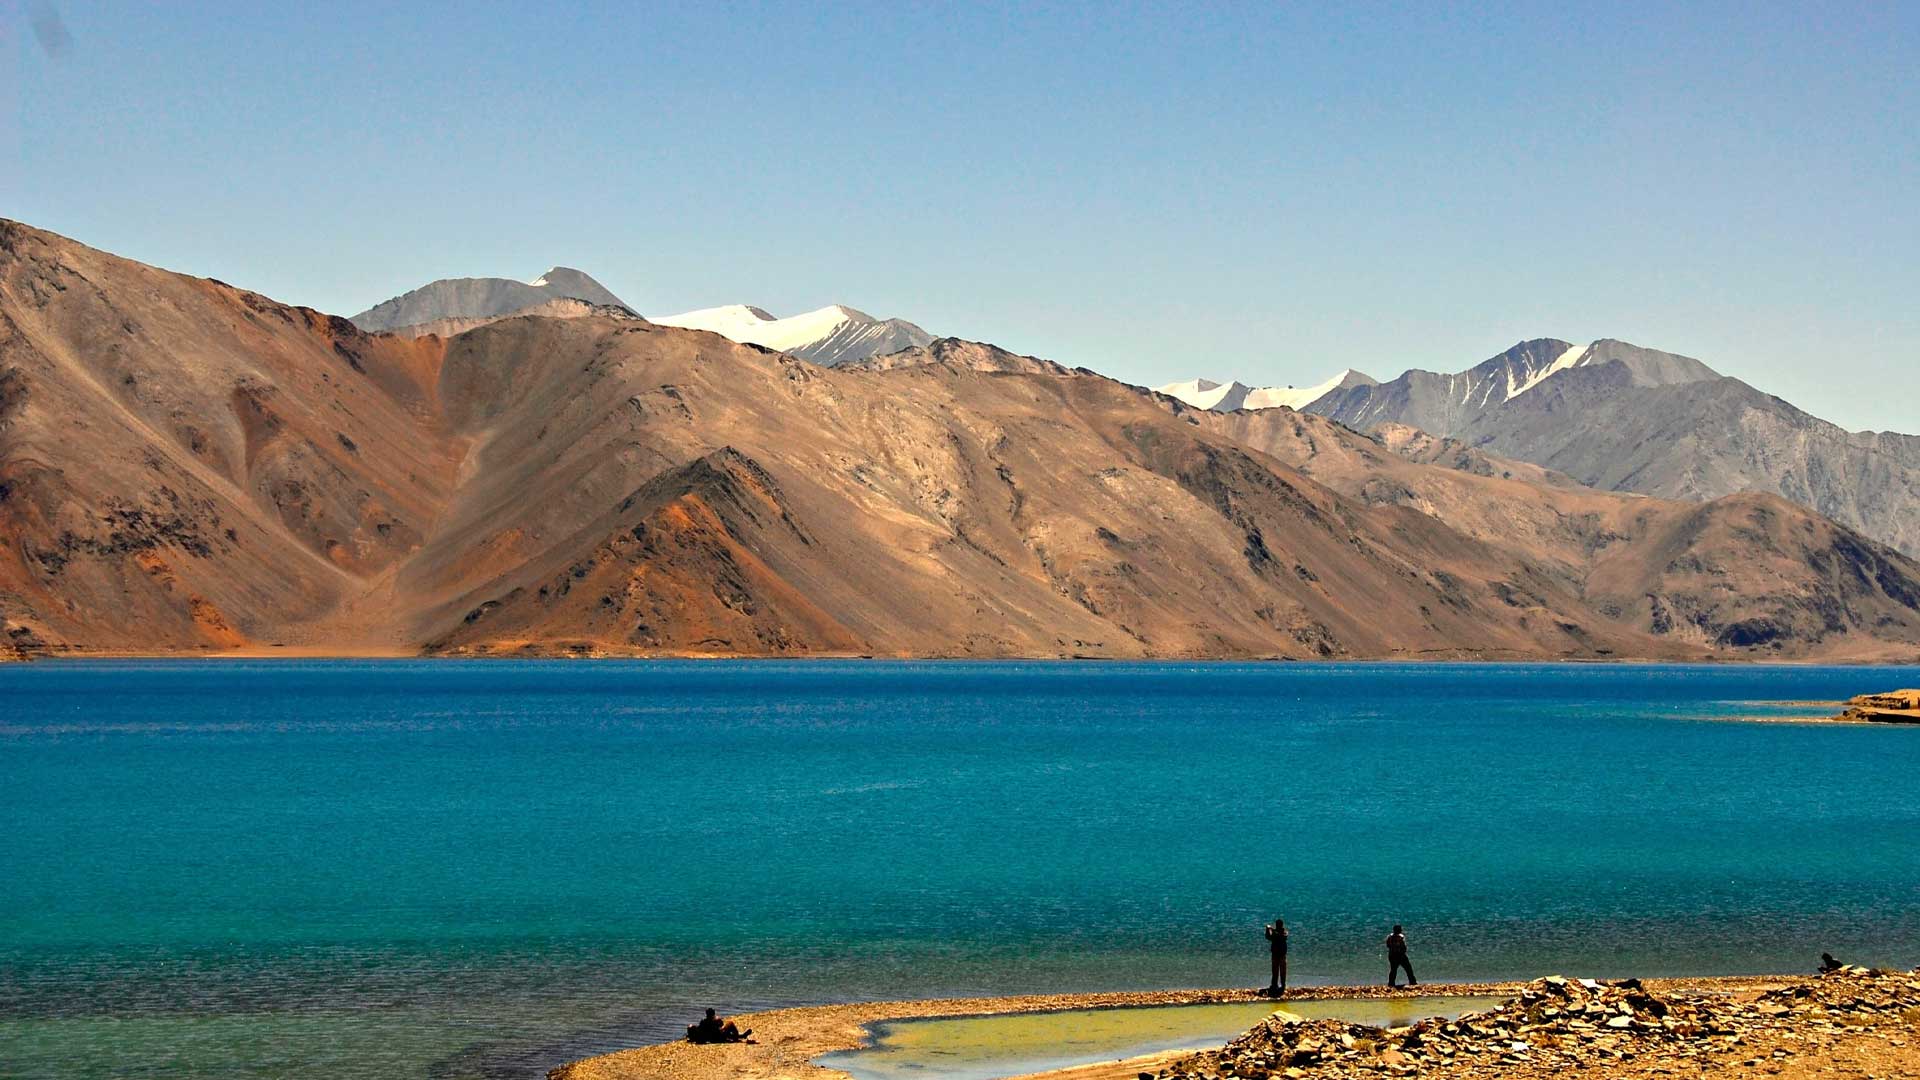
1192,386
557,276
1207,394
829,335
1568,359
1299,398
756,326
796,330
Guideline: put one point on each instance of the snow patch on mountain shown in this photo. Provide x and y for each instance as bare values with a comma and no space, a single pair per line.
1207,394
1568,359
832,335
1218,397
739,322
1505,377
1271,397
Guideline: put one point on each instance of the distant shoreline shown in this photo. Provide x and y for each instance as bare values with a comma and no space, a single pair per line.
297,652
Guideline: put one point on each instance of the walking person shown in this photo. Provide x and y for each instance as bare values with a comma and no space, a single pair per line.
1277,947
1397,958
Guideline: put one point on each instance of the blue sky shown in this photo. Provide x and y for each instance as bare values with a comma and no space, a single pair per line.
1153,191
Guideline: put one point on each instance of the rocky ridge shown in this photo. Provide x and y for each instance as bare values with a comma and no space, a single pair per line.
1894,707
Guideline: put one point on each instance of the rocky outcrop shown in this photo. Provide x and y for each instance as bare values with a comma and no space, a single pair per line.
1557,1026
1895,707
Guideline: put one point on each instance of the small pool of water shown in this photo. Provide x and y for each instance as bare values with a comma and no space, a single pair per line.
987,1047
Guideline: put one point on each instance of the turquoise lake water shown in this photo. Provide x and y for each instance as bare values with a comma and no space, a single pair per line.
482,869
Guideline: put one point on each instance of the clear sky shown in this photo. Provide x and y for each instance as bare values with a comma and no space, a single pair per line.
1155,192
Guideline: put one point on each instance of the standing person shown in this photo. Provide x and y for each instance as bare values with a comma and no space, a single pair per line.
1277,946
1397,958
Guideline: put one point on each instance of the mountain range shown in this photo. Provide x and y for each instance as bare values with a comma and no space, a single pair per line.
829,336
1619,417
186,466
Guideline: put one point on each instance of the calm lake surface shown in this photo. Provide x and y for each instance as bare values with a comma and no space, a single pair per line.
482,869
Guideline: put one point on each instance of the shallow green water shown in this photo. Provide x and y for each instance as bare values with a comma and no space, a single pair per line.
985,1047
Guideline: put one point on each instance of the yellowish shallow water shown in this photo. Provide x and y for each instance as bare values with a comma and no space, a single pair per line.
985,1047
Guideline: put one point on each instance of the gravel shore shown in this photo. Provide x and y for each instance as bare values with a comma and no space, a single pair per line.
1856,1023
1850,1023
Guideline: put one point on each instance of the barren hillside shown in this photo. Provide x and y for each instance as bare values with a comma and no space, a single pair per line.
187,466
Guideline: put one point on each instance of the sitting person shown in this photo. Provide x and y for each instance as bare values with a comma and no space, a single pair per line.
714,1030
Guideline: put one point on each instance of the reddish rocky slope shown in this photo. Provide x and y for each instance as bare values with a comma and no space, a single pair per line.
186,466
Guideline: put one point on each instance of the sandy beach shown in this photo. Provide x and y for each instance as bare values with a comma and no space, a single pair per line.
1858,1024
787,1040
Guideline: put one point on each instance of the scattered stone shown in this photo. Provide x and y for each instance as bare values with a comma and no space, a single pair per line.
1556,1024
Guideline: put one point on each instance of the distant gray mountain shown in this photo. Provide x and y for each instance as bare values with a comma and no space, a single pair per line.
1622,418
462,299
1446,404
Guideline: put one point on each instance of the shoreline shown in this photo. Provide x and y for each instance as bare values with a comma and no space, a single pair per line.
1849,1021
788,1040
308,652
1898,709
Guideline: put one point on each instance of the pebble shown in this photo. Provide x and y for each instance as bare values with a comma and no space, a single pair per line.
1558,1023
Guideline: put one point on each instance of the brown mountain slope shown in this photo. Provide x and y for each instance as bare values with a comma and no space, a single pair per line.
185,466
1752,571
1416,445
935,509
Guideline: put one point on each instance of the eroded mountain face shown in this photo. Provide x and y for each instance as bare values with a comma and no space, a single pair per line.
186,466
1706,439
1621,417
1740,572
1624,418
